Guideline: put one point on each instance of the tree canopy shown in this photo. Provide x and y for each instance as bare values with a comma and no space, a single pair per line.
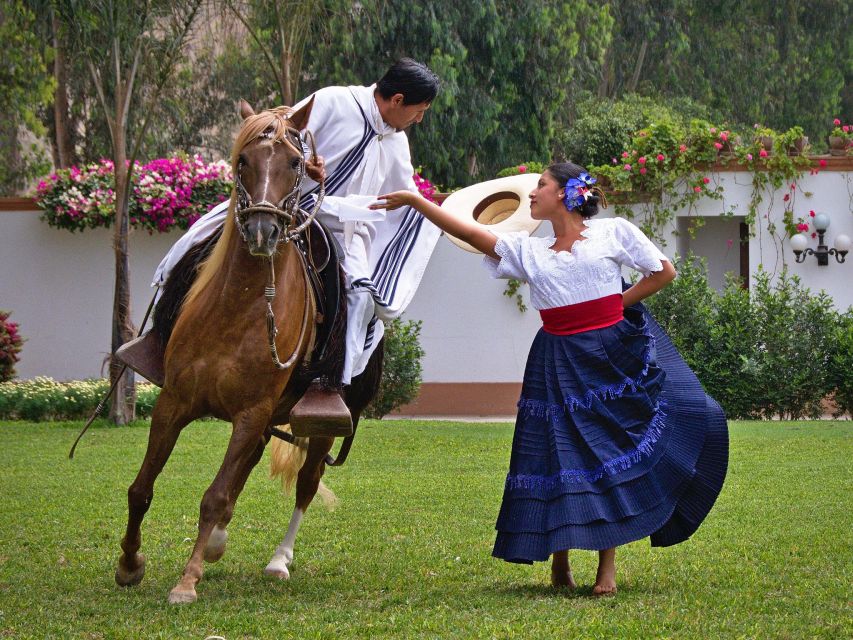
513,73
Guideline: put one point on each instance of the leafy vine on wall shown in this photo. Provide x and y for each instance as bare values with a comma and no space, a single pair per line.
665,170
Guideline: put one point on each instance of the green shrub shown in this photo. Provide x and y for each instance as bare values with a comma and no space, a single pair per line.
524,167
775,351
10,346
794,330
401,370
732,374
840,361
602,129
685,310
45,399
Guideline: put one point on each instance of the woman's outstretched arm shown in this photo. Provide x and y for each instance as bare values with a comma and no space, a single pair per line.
473,234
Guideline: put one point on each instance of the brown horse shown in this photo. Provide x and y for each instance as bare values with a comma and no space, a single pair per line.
218,357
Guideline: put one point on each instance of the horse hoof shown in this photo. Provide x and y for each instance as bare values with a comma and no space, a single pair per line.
215,548
277,569
177,596
130,578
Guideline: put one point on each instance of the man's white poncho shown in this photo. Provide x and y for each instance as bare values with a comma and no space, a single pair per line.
386,252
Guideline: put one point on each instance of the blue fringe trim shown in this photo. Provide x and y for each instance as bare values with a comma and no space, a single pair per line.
609,468
551,410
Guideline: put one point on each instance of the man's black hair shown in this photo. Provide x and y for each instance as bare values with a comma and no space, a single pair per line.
413,79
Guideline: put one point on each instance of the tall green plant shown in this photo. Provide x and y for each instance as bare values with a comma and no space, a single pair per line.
775,351
795,330
840,360
685,310
401,368
131,51
27,86
10,346
783,63
507,70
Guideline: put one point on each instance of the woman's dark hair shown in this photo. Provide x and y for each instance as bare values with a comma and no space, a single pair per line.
411,78
562,172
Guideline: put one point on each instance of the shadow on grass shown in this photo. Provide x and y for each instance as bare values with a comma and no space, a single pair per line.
539,591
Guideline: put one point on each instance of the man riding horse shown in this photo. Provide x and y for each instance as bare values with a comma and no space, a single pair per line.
361,151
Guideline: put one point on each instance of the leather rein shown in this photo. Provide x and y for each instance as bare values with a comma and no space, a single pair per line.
295,221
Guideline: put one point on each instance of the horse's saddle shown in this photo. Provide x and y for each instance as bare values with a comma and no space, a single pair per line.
322,255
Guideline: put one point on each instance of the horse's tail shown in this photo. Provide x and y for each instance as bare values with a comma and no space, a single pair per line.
285,462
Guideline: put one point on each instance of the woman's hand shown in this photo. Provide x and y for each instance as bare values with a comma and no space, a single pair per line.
649,285
395,200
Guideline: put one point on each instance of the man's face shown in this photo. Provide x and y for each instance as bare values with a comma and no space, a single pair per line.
402,116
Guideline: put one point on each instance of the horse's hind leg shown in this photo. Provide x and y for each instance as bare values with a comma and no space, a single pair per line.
306,488
166,424
219,536
224,490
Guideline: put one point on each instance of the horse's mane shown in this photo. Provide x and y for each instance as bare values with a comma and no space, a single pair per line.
274,122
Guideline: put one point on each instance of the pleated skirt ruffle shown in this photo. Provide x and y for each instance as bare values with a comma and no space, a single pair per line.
615,441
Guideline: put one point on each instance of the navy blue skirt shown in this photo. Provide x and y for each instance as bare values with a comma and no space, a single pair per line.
615,441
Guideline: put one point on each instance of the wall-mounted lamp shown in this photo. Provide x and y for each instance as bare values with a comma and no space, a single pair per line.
800,241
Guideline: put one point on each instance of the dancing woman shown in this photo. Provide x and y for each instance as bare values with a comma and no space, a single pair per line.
615,439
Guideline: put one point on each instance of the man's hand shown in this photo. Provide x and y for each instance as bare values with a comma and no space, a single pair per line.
316,168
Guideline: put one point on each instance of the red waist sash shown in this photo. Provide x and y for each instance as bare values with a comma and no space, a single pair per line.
584,316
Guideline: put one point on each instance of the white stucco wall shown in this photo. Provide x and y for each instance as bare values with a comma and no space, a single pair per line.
59,288
59,285
718,242
830,192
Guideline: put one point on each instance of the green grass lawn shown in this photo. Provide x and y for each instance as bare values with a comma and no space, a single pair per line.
407,551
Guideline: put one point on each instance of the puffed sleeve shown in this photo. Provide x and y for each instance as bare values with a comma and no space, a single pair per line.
511,248
635,250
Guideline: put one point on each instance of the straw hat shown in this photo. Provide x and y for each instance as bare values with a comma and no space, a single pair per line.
501,206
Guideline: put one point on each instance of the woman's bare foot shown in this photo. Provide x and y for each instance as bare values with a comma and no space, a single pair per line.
605,578
561,572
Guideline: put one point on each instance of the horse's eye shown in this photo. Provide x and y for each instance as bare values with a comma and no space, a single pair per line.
294,164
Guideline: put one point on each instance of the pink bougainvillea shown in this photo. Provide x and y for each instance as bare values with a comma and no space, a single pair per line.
427,189
10,346
164,193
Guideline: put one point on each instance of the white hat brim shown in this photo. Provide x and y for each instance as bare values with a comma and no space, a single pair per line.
500,206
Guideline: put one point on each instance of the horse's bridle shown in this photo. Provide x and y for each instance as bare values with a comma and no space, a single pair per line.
288,211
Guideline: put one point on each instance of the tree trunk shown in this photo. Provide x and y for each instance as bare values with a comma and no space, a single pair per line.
285,81
11,151
638,68
473,165
122,409
606,82
64,147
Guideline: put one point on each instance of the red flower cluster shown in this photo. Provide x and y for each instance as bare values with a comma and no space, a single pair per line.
10,346
427,189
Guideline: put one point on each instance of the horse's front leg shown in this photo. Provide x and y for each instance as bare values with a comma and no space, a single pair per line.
215,548
306,488
168,419
223,491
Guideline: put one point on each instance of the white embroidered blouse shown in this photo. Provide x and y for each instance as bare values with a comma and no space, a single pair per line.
591,270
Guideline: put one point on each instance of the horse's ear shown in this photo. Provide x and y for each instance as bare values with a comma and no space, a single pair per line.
299,119
246,109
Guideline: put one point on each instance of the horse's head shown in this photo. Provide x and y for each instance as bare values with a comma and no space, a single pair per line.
269,166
